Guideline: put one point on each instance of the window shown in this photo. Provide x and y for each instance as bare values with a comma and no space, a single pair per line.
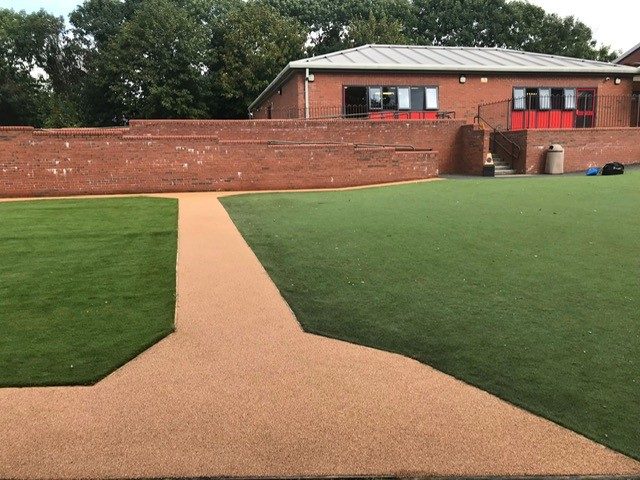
432,98
569,98
389,98
544,98
557,99
404,98
417,98
375,98
585,100
355,101
519,95
533,99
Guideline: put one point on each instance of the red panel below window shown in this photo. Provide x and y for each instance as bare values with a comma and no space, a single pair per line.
523,119
393,115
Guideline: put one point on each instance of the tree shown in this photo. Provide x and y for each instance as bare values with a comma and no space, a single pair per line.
204,58
152,67
252,53
28,43
327,21
537,31
496,23
97,21
381,30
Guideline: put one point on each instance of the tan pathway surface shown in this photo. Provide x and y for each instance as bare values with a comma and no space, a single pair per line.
239,389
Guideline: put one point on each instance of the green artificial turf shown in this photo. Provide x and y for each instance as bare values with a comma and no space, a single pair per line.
527,288
85,285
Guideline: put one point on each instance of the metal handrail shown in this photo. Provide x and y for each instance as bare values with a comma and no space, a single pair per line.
515,149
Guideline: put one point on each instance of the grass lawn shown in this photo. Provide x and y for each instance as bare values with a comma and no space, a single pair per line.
527,288
85,285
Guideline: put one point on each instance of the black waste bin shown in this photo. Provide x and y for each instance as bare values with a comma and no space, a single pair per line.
613,168
489,170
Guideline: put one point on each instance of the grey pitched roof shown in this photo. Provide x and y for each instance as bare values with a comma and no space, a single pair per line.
467,59
626,54
447,59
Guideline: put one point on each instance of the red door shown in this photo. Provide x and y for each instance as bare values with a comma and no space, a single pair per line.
586,108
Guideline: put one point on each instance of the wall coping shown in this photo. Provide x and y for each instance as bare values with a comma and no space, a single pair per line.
285,121
572,130
16,128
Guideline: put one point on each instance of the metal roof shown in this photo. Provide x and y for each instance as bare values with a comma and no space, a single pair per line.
447,59
626,54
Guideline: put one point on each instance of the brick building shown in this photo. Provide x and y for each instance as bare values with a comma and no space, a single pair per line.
632,59
519,90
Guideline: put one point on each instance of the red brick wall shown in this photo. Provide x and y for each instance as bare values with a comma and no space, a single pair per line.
633,59
200,155
289,103
440,135
474,148
171,156
326,91
584,148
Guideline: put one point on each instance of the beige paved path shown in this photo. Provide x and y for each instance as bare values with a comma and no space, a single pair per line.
241,390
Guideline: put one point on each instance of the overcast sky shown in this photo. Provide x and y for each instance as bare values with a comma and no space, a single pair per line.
614,22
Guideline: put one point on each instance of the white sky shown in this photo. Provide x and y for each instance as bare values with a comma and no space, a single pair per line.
614,22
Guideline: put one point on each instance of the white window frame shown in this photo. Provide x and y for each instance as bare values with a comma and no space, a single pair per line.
435,105
406,91
519,98
544,98
570,99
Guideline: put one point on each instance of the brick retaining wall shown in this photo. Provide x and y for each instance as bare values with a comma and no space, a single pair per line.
171,156
197,155
584,148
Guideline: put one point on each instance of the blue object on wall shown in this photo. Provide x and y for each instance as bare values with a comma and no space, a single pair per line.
593,171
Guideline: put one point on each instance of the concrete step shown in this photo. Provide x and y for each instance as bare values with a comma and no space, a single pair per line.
508,171
503,167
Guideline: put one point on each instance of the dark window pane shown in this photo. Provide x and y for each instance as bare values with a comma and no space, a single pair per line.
584,121
557,99
355,100
533,99
417,98
585,100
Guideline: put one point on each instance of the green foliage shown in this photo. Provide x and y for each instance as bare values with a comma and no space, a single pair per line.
382,30
211,58
28,43
154,66
527,289
84,288
97,21
252,53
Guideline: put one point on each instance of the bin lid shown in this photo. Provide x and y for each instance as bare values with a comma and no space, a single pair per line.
556,148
